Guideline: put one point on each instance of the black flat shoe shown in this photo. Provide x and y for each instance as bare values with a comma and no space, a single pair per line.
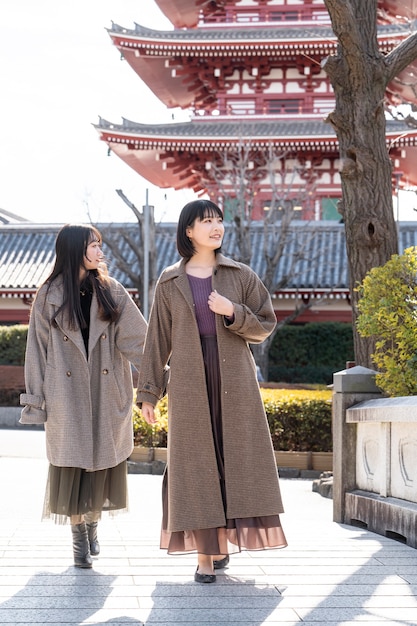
221,563
204,578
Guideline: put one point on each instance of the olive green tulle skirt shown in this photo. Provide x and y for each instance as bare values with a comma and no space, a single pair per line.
74,491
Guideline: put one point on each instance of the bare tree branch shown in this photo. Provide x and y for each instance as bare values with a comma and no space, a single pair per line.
115,236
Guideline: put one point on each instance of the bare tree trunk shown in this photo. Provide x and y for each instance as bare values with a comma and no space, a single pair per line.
139,250
359,78
261,355
261,350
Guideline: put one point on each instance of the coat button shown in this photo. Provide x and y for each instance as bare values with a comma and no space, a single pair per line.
105,372
104,336
68,373
65,338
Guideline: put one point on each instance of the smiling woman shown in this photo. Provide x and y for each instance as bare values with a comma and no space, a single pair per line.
84,333
221,490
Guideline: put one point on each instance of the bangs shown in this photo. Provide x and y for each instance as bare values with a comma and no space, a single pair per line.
94,236
209,211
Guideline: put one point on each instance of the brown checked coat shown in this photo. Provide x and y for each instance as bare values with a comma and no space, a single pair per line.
86,404
252,487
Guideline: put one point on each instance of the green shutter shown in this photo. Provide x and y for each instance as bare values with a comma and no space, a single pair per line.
329,209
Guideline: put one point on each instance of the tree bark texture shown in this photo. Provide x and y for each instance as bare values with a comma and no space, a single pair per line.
359,74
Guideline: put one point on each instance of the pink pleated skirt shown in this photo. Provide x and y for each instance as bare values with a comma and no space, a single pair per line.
254,533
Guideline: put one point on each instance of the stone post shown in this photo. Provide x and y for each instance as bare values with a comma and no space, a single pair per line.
350,386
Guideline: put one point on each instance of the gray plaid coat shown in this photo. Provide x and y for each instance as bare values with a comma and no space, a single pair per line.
86,405
252,485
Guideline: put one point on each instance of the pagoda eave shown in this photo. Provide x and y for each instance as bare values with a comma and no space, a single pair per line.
402,89
167,155
177,85
406,8
180,71
161,80
186,13
182,13
160,173
170,141
278,40
164,154
232,130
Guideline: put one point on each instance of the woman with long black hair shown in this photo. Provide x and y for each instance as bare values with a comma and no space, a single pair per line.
84,333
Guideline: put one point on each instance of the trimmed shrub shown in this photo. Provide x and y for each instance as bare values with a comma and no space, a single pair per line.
299,420
388,312
310,352
13,344
151,435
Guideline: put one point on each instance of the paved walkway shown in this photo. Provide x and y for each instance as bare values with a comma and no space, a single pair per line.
329,574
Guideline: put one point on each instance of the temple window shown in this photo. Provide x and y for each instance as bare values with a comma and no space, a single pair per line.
323,106
247,16
241,107
283,16
278,106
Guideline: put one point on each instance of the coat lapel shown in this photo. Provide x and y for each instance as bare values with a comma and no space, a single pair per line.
55,297
99,326
182,283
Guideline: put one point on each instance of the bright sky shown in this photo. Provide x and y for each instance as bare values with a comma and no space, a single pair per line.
59,72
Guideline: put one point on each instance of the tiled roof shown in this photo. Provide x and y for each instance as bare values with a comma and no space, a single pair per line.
27,253
271,129
259,32
227,128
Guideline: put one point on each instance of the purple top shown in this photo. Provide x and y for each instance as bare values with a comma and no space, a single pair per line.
206,319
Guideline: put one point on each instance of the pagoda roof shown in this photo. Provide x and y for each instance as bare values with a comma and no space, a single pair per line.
186,13
182,13
170,62
165,154
229,130
406,8
272,35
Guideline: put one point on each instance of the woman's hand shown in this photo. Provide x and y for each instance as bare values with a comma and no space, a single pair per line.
148,413
220,305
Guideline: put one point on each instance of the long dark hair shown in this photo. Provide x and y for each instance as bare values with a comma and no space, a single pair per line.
196,209
70,249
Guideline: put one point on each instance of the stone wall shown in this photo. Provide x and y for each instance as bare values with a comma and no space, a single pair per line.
375,451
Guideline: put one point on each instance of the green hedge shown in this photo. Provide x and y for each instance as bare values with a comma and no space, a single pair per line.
310,352
13,344
301,425
299,420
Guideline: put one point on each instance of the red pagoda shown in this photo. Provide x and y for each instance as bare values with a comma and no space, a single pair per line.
250,73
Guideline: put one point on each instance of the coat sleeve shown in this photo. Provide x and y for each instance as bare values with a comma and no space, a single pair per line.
254,317
130,329
154,372
35,363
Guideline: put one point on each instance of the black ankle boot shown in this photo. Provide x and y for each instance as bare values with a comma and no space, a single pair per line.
81,546
92,538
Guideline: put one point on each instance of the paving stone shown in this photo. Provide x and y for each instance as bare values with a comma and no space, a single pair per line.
329,575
